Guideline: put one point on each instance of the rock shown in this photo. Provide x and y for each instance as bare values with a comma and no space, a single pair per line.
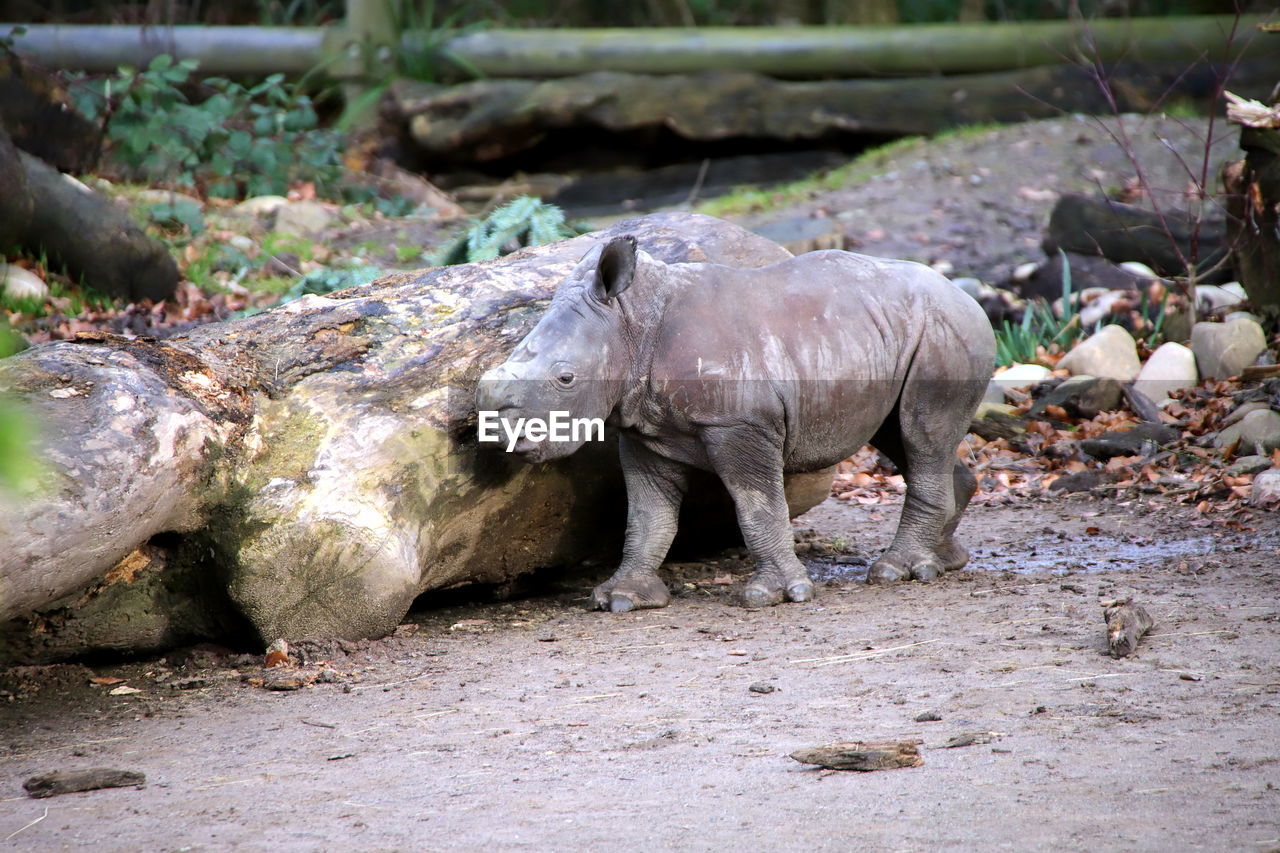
1242,410
1082,396
762,687
1216,297
1021,375
1246,465
1172,367
1109,354
1098,306
928,717
1139,269
1141,440
259,206
969,285
802,234
1266,488
19,283
1257,432
304,218
1225,349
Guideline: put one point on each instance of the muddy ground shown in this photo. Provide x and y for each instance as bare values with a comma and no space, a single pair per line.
534,724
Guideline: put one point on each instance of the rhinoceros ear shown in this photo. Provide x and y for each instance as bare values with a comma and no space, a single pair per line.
617,267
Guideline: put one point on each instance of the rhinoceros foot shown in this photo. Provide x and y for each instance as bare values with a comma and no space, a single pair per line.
635,591
900,567
763,590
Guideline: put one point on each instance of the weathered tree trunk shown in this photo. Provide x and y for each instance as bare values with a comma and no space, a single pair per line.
94,239
487,120
15,197
320,459
1253,200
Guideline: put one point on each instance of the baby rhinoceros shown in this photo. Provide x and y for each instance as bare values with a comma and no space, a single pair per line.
752,374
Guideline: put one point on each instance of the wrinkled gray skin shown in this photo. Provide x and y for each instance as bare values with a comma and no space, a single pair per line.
750,374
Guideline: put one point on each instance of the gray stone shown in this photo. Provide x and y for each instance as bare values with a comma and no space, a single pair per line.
1266,488
1248,465
971,286
1242,410
1226,349
1109,354
1172,367
1257,432
305,218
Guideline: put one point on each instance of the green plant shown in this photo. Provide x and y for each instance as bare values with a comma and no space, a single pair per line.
526,221
325,281
1040,327
238,141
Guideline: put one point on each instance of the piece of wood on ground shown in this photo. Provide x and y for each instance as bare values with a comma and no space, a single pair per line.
857,755
74,781
1126,623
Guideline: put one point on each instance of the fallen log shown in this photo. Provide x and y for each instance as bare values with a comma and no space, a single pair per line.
75,781
1167,242
93,238
491,119
819,51
316,464
850,51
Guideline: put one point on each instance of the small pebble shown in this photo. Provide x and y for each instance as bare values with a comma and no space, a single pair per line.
762,687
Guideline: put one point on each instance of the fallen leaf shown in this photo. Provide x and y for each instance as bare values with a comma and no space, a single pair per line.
105,680
124,690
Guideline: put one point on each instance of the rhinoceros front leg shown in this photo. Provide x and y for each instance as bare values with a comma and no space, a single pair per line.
751,468
655,487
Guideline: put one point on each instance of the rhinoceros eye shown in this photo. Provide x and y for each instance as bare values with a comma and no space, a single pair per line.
565,379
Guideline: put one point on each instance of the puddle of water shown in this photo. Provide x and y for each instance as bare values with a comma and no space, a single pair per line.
1050,555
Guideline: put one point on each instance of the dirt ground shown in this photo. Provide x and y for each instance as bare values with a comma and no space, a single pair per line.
535,724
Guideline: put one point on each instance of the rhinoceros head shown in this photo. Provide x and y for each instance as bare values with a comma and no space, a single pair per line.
574,363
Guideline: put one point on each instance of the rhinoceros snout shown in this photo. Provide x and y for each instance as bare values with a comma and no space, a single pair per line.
498,389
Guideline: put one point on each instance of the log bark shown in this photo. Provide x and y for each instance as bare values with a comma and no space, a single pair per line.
786,51
94,239
15,198
1124,232
488,120
317,462
1253,201
805,52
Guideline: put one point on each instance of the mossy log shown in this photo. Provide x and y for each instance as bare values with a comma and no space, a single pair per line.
848,51
315,463
488,120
